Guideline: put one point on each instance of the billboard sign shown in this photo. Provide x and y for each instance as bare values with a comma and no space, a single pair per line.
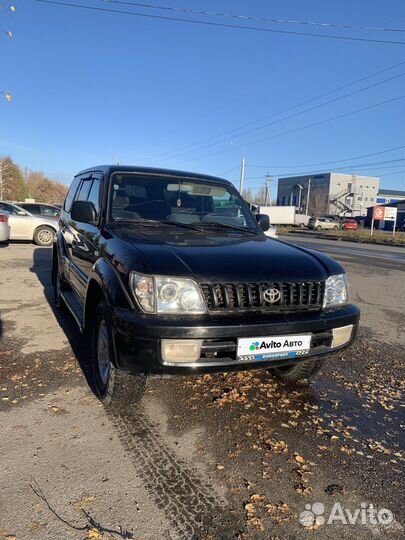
390,214
378,212
385,213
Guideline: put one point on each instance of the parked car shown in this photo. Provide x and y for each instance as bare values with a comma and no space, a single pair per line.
25,226
350,225
41,209
169,272
4,228
322,223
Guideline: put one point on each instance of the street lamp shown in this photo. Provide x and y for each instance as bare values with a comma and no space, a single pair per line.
299,195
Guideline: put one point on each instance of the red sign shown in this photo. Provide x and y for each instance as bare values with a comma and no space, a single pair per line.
379,212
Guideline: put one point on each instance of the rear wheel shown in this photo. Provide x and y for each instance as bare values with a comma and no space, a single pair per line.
298,372
318,228
335,228
44,236
115,388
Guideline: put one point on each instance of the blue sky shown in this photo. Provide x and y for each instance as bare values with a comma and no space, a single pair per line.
91,87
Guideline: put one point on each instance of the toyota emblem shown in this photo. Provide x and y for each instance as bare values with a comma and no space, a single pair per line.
272,295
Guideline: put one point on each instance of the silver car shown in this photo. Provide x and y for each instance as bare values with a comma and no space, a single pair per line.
4,227
25,226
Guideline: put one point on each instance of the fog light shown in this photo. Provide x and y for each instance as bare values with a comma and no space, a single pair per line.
177,351
341,335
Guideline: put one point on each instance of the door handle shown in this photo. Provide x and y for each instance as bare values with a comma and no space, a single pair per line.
79,245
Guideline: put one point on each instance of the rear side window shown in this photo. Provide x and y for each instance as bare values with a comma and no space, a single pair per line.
49,211
71,194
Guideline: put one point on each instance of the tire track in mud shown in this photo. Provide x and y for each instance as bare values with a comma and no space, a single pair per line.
189,503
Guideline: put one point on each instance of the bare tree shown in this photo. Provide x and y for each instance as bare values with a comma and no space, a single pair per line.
42,189
12,186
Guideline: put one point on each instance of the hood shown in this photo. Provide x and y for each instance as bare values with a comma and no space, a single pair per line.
232,258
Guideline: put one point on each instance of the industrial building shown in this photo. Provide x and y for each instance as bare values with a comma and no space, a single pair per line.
387,196
329,193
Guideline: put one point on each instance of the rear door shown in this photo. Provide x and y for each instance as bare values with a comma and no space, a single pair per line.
84,243
66,230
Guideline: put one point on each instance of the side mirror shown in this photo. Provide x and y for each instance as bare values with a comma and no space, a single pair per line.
264,221
83,212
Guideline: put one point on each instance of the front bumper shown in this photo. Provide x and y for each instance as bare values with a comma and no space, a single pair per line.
137,338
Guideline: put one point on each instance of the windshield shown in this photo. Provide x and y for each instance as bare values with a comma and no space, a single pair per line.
136,197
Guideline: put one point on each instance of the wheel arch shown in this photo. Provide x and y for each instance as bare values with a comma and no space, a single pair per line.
104,282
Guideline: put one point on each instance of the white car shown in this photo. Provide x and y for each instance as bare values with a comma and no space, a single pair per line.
25,226
4,228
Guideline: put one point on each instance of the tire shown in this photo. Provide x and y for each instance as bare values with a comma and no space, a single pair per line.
318,228
116,389
44,236
299,371
335,228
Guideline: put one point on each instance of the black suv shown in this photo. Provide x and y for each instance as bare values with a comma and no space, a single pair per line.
169,272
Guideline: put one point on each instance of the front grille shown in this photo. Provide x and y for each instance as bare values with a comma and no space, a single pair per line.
296,296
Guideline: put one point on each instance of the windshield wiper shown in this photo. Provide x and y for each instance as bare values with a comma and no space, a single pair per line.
227,226
156,222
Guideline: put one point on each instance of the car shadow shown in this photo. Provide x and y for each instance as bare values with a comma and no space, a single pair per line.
42,267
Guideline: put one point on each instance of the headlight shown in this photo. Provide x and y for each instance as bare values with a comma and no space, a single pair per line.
335,291
162,294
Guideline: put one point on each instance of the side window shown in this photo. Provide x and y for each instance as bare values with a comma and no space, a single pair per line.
83,191
71,194
49,211
33,208
94,194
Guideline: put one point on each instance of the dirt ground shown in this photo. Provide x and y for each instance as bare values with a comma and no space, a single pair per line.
228,456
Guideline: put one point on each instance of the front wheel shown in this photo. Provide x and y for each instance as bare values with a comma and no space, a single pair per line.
335,228
44,236
318,228
114,388
297,372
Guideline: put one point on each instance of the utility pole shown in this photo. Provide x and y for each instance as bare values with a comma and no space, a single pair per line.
242,175
1,180
308,192
267,196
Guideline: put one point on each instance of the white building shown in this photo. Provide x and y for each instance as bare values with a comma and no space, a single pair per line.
329,193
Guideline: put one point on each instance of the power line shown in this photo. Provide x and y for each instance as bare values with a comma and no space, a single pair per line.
267,117
255,18
374,164
223,25
327,162
393,172
313,124
292,115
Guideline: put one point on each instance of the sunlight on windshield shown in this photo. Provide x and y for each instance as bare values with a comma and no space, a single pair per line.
137,197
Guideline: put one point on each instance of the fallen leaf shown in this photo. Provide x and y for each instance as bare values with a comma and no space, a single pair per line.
94,534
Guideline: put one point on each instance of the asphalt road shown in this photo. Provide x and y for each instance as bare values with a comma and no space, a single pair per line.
213,457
